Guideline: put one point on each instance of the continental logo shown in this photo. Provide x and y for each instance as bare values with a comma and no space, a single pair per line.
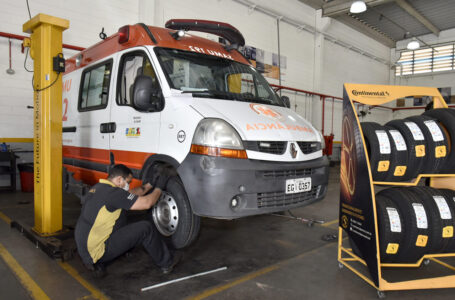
371,93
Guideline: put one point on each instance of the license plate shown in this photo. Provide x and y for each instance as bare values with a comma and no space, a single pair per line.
298,185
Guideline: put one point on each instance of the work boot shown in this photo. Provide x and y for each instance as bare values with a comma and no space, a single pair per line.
177,258
99,270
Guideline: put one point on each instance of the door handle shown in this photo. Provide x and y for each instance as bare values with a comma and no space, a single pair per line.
108,127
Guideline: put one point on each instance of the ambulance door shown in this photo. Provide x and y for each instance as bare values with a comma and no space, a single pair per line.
137,134
92,153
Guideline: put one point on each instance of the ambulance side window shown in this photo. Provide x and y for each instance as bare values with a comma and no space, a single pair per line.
94,90
132,65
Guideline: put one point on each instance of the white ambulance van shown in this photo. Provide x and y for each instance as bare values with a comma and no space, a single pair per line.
149,96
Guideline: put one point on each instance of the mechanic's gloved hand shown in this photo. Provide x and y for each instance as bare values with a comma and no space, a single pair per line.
161,182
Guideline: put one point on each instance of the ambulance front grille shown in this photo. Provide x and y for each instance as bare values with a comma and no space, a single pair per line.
281,199
285,173
309,147
271,147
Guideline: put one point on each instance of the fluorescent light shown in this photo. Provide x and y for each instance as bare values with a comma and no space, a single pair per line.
358,7
413,44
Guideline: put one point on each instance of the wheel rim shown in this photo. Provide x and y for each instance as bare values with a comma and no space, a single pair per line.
166,214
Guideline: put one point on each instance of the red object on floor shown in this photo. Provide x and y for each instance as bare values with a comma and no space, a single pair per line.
27,178
328,144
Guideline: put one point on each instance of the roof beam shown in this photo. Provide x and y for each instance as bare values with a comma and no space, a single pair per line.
413,12
367,30
339,7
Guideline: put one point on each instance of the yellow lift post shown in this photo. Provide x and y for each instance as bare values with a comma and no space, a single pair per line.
46,43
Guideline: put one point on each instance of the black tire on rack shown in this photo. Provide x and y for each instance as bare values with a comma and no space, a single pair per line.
414,143
399,155
416,240
450,197
379,152
446,117
390,228
436,141
434,202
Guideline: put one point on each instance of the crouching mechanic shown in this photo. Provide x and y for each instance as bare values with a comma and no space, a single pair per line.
102,233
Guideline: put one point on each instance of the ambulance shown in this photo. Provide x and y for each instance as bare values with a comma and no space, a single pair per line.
149,96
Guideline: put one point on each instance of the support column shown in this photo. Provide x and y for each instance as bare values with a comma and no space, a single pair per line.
46,43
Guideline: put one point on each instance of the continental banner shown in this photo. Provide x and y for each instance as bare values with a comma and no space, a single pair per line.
356,210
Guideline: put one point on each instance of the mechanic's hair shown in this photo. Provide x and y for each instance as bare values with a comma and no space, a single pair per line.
119,170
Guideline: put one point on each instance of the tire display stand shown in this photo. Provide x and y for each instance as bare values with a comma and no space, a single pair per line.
358,219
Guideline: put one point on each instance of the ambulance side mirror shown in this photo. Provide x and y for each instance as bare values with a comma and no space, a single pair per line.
146,95
286,101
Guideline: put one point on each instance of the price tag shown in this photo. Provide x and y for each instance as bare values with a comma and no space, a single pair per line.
443,207
384,143
415,130
435,131
400,143
394,218
421,215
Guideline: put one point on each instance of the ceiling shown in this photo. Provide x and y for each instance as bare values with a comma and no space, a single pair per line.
389,21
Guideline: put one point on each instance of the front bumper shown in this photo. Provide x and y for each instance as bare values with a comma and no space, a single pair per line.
259,186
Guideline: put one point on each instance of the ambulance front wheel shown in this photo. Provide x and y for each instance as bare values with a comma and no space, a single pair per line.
173,216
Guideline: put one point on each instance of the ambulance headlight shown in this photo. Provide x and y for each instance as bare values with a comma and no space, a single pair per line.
217,133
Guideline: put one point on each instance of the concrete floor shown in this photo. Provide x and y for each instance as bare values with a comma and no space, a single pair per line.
268,257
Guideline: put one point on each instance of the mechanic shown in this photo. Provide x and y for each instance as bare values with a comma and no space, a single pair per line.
102,233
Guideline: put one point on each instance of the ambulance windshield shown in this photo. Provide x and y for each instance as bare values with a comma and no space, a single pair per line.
209,76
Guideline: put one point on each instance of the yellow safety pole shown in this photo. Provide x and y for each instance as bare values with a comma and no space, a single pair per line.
45,43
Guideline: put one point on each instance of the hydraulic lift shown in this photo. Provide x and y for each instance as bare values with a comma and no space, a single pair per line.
45,45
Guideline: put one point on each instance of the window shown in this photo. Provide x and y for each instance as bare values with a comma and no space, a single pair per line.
436,59
211,76
131,66
95,87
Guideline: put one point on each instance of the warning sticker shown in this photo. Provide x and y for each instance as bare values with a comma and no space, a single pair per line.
400,143
436,132
384,143
415,130
443,207
394,218
421,215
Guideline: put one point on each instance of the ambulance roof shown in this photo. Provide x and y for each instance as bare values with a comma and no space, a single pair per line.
141,35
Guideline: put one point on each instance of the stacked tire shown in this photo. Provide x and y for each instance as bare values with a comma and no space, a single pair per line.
414,221
402,149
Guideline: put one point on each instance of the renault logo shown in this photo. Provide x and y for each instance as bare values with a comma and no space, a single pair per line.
293,150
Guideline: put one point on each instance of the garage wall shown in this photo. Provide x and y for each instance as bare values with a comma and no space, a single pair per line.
313,62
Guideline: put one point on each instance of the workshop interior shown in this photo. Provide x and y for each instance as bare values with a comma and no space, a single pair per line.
230,149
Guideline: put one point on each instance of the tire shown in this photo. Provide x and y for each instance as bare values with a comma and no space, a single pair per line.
379,152
416,241
450,197
173,216
446,117
390,227
436,149
399,157
429,197
415,160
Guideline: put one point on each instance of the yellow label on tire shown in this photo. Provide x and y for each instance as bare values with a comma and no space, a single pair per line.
422,240
447,232
440,151
383,165
420,151
399,171
392,248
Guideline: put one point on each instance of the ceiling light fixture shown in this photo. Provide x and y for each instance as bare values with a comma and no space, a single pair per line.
413,44
358,7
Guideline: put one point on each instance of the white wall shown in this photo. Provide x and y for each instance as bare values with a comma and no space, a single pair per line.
313,62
